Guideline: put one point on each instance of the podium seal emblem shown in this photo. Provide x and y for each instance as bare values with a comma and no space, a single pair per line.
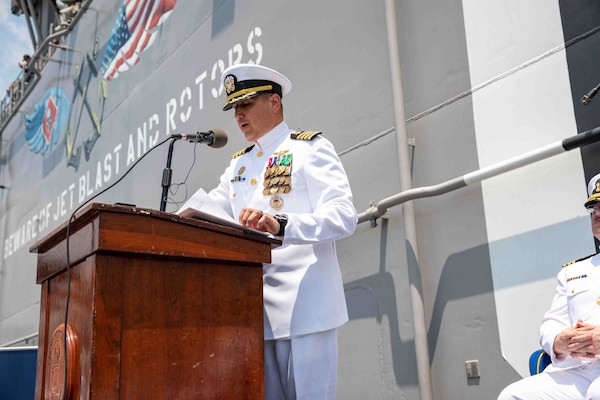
56,360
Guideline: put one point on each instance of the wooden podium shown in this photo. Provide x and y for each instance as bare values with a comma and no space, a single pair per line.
159,307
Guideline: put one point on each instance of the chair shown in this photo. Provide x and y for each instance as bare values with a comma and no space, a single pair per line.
538,361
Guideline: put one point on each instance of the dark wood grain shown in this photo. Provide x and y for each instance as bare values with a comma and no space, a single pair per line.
162,308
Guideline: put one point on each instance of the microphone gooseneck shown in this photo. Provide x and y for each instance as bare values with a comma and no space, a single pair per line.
214,138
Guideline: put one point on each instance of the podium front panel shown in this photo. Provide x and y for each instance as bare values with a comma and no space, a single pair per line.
144,325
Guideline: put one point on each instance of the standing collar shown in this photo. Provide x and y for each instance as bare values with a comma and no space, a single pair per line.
273,136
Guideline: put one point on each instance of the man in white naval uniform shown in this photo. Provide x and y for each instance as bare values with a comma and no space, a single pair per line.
293,185
570,329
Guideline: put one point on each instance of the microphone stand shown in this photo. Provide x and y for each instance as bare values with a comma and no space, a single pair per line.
166,178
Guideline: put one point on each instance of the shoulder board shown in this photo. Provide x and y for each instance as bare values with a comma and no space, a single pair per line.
305,135
579,259
242,152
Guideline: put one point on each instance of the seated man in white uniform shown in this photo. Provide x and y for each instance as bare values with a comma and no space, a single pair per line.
570,329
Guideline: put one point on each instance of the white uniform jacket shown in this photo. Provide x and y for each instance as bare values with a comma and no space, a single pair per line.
302,287
577,297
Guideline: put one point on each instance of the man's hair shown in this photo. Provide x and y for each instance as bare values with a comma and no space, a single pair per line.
267,95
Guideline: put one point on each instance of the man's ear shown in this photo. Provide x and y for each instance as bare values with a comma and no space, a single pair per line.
275,101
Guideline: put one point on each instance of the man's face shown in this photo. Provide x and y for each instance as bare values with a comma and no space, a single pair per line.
258,115
596,220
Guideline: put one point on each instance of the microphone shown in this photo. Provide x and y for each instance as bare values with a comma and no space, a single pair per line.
214,138
588,97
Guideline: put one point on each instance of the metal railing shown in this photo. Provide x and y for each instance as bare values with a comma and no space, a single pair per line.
18,91
380,208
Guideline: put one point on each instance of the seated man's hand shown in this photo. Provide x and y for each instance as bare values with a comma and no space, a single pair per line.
583,340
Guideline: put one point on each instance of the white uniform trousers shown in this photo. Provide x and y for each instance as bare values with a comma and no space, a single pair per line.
302,368
568,384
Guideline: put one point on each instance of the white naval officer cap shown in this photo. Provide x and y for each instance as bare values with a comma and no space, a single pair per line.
593,191
245,81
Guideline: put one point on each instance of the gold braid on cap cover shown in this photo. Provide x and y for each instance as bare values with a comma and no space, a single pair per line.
244,92
594,196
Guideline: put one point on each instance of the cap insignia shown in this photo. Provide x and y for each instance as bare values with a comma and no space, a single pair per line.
229,82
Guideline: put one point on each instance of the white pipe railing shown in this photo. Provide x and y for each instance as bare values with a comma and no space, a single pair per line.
379,208
24,339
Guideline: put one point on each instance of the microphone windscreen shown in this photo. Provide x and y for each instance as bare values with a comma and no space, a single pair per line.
220,138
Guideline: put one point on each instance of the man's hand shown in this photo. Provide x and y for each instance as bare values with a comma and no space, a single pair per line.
258,220
583,340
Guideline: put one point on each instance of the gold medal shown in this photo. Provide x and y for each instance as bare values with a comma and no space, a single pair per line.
276,202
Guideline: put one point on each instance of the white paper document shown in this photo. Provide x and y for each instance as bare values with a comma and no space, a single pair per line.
200,201
201,206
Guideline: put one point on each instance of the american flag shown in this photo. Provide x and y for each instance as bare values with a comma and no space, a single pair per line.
134,31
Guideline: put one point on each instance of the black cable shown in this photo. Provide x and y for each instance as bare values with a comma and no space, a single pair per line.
183,183
66,370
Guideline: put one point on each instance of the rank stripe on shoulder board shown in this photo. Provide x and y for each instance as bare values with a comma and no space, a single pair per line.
579,259
305,135
242,152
